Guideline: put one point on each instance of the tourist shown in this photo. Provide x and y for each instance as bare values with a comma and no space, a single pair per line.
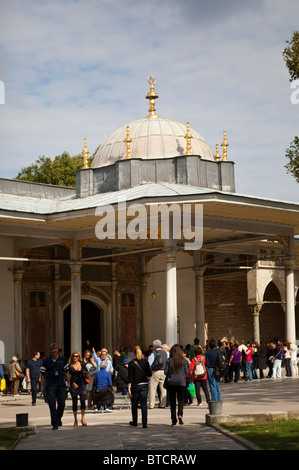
261,359
188,400
33,374
123,377
192,348
270,349
176,368
53,372
287,358
138,386
235,363
15,374
157,362
276,359
103,391
77,387
248,354
91,368
213,379
103,356
294,359
199,381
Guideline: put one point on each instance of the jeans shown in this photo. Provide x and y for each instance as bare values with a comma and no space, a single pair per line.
249,370
56,395
214,385
276,368
139,394
176,393
34,383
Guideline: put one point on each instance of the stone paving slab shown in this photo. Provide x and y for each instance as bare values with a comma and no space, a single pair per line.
107,432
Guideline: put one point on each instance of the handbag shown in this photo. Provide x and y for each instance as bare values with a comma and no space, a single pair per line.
87,379
19,375
3,385
167,380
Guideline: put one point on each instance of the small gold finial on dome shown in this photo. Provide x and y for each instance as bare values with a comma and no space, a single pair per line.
224,145
85,154
217,156
152,96
128,141
188,137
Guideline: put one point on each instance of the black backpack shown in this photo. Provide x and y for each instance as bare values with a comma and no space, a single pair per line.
221,363
158,363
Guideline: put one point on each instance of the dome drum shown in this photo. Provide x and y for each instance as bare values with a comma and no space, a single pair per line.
189,170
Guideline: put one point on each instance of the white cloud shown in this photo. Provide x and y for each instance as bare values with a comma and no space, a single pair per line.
76,69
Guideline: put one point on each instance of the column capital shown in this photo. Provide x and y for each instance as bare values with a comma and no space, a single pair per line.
144,279
256,309
75,268
170,255
18,275
199,271
290,263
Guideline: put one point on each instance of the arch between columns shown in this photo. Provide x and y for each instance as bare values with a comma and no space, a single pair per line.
105,320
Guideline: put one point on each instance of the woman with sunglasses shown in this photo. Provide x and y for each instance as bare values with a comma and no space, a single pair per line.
76,383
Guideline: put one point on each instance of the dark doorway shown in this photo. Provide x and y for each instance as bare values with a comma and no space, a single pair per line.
91,327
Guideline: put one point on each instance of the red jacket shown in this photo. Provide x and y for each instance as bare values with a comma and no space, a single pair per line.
193,362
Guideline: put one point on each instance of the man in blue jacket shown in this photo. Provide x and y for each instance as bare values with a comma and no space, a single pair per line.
53,372
213,379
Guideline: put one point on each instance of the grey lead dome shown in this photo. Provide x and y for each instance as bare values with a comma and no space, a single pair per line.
151,138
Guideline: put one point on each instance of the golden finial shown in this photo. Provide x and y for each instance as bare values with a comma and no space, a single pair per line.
217,156
188,137
152,96
85,154
128,141
224,145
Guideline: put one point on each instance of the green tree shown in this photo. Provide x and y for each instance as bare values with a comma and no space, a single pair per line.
292,153
291,56
61,171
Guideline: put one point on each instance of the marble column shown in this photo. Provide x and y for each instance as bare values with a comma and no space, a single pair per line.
256,323
58,337
115,342
171,298
76,333
290,302
199,305
18,311
144,317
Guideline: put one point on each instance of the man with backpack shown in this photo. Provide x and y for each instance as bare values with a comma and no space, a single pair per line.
199,375
157,362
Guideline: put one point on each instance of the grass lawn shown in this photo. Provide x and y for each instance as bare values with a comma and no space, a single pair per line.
282,434
9,437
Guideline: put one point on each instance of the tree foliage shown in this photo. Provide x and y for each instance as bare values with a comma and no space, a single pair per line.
292,153
291,56
61,171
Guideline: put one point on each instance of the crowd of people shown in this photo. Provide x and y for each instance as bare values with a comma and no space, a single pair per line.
176,374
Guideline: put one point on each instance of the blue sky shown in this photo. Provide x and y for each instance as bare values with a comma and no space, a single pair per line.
75,69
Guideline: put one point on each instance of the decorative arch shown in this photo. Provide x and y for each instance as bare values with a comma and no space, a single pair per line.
272,293
100,300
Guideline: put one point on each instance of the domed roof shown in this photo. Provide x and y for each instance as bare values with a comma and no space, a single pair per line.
151,137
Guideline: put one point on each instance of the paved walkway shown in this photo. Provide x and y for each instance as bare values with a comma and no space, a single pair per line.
111,431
